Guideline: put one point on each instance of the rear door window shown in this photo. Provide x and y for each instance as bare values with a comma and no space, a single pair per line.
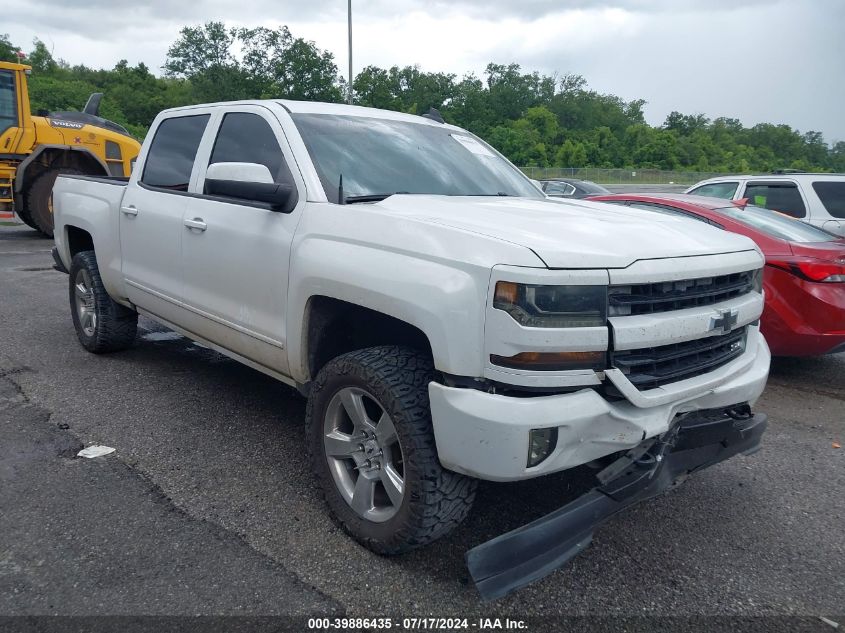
832,195
724,190
171,157
777,196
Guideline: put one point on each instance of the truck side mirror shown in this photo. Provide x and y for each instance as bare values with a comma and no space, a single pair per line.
252,182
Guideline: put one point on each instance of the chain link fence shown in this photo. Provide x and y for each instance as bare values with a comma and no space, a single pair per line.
620,176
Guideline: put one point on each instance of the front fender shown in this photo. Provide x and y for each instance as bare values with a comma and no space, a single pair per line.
445,300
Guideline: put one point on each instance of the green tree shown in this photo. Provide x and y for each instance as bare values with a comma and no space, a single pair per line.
8,51
470,107
511,93
686,124
373,87
199,49
571,154
545,122
272,64
533,119
41,59
837,157
203,55
281,66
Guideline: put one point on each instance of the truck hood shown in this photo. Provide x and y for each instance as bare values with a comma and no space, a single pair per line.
571,234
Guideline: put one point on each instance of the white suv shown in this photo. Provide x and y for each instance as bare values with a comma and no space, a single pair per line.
817,199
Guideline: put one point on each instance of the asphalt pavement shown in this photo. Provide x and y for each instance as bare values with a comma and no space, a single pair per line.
207,505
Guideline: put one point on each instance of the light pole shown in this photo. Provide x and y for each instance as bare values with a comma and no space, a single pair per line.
349,87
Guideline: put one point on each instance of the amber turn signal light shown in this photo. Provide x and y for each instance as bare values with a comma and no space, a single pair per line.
551,361
506,292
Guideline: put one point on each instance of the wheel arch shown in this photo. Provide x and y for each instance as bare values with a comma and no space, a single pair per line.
47,157
78,240
333,327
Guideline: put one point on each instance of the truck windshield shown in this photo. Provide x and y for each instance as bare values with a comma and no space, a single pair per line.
380,157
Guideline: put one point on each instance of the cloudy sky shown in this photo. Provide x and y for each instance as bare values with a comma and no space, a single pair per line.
757,60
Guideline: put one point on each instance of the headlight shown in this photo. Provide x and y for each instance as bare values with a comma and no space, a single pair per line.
552,306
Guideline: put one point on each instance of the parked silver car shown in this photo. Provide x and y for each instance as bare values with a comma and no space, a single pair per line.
817,199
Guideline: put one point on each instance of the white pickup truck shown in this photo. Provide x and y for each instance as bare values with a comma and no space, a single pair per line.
445,320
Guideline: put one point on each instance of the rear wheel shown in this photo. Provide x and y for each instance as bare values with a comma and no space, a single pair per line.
372,449
39,200
102,325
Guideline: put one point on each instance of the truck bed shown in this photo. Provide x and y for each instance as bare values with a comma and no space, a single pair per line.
90,204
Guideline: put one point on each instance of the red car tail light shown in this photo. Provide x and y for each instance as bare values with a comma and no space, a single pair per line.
811,269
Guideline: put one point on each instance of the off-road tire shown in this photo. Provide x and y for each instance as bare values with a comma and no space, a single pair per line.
38,200
23,214
116,325
435,500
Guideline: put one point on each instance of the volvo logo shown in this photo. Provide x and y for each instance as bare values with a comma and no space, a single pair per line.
725,321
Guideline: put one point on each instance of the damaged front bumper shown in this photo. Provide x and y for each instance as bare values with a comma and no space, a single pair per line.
696,441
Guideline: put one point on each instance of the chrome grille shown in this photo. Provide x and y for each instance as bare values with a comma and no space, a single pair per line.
652,367
677,295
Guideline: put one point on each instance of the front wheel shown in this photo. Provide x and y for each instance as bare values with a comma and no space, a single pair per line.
372,450
102,325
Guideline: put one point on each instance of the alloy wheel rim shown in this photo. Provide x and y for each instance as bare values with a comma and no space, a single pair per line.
84,299
364,455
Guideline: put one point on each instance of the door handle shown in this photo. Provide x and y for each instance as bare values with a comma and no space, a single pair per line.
130,210
197,224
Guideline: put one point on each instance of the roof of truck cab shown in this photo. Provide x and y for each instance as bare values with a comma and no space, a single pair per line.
317,107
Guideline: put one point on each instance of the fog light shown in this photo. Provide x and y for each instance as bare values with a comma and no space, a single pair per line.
541,443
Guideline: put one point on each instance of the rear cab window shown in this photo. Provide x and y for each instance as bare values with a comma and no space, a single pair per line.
170,161
832,195
781,196
724,190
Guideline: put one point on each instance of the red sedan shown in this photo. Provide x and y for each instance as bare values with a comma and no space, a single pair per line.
804,278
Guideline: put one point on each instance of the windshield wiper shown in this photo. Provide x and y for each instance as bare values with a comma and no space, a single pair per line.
368,197
371,197
378,197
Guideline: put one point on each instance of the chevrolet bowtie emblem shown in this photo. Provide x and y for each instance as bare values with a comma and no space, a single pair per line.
725,321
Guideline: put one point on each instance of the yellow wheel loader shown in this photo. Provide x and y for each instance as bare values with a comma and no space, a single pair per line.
36,149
